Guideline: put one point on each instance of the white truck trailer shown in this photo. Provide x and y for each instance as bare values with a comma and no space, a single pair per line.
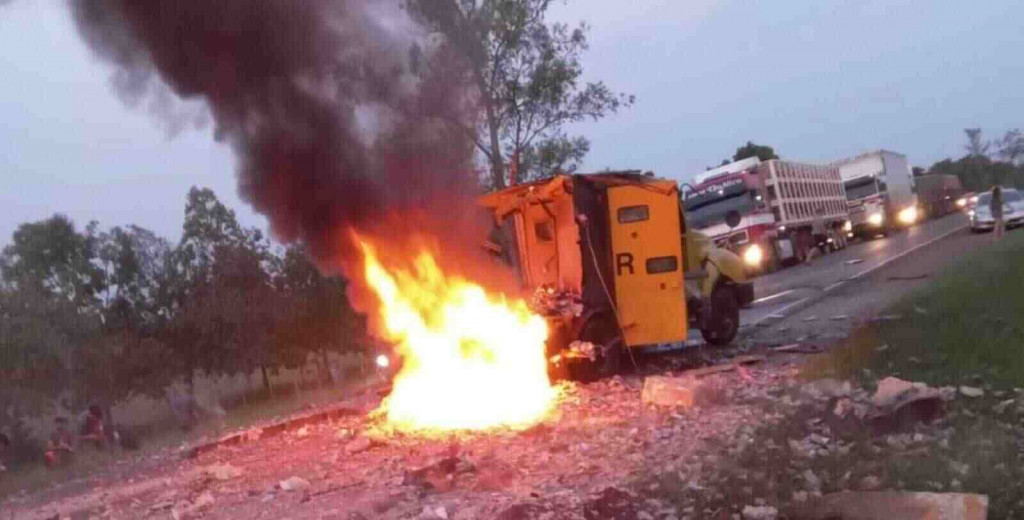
879,190
767,211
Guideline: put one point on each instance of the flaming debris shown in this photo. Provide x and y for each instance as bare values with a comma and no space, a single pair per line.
472,360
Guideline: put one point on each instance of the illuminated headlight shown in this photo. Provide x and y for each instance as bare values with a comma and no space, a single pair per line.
908,215
974,199
848,226
383,361
753,255
876,219
961,202
970,213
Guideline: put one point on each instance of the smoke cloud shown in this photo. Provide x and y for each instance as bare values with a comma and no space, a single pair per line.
335,119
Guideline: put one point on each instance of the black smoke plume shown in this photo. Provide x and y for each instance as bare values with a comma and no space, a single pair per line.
335,119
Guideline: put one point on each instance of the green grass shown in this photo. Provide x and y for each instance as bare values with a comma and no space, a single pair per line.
964,328
967,327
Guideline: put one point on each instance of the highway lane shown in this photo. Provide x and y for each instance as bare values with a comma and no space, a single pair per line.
783,291
860,256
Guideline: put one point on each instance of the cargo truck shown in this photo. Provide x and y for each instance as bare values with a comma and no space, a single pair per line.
939,194
879,191
772,213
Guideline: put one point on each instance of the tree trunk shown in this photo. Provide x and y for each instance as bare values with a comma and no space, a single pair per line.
327,366
266,381
493,130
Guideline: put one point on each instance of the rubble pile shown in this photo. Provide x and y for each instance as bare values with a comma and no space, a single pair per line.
549,301
584,461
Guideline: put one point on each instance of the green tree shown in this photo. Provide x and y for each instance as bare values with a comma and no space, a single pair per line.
526,73
1011,147
551,156
764,153
976,146
321,318
55,258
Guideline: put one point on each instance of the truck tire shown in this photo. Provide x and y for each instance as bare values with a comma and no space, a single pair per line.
723,321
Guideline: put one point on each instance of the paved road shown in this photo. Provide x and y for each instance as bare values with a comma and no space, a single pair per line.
824,271
835,313
778,291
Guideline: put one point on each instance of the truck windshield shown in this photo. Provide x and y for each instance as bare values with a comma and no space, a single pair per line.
859,188
713,212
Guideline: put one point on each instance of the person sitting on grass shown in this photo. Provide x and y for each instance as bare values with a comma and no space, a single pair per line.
60,446
92,428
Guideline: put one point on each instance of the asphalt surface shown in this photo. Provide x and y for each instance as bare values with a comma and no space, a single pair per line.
784,292
842,297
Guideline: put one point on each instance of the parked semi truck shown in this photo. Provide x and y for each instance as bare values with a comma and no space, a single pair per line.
879,191
771,213
939,194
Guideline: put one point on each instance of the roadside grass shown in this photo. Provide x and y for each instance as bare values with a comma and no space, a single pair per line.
167,438
966,328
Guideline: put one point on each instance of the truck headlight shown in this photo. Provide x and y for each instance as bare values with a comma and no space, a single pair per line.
848,226
753,255
961,202
908,215
875,219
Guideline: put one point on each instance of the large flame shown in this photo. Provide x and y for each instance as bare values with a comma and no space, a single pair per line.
471,360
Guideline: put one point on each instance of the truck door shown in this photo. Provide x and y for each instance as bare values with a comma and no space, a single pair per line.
647,259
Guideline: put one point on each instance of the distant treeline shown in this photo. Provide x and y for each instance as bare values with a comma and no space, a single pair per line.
98,316
986,163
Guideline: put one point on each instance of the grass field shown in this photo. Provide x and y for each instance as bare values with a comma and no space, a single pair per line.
966,328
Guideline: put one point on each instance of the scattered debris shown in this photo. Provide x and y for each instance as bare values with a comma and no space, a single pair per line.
668,391
840,317
971,391
854,261
293,484
870,483
823,389
907,278
358,445
724,367
902,505
760,513
799,348
1001,407
221,471
882,348
920,310
811,318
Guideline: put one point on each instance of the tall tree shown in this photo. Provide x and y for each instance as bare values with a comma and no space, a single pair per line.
551,156
765,153
976,146
1011,147
57,259
525,72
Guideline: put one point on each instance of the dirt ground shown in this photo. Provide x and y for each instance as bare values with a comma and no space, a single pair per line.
601,453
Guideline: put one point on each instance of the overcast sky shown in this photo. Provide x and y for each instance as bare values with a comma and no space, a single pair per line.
818,80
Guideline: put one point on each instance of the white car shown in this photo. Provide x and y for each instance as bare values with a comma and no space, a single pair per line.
1013,210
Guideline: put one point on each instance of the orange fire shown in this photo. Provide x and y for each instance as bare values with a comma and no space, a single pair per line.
472,360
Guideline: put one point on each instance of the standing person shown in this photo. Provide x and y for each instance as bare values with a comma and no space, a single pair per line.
819,234
60,446
996,207
5,444
92,427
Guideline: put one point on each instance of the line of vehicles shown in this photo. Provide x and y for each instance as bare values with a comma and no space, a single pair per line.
776,213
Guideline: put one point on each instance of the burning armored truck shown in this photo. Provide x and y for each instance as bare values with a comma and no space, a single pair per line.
614,267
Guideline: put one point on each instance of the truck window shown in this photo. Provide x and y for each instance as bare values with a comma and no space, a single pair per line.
860,188
633,214
662,264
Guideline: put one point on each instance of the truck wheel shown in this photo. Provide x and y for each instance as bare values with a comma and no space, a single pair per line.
723,322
